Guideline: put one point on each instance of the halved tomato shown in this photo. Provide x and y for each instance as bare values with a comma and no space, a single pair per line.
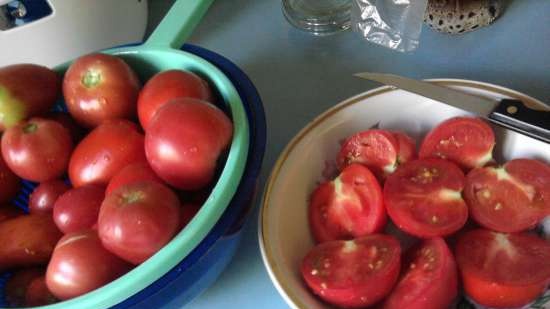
376,149
407,147
347,207
429,280
353,273
423,198
466,141
511,198
503,270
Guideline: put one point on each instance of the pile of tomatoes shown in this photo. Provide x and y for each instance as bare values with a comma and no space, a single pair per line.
470,221
117,176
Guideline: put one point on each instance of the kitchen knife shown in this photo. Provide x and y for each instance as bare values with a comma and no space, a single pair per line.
512,114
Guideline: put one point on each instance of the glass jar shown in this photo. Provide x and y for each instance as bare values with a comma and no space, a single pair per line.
320,17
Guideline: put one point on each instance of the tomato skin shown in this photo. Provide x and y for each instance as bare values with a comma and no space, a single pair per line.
26,90
503,270
17,285
406,146
168,85
76,131
353,273
376,149
37,150
27,240
43,197
430,278
38,294
423,198
10,184
132,173
105,151
349,206
73,269
138,219
78,208
99,87
184,141
511,198
9,212
466,141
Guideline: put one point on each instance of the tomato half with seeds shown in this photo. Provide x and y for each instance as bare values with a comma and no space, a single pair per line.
423,198
349,206
511,198
353,273
376,149
429,280
503,270
467,141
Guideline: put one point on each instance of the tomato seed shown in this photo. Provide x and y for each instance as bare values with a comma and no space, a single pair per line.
314,272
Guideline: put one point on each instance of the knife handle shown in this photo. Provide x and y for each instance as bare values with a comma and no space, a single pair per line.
515,115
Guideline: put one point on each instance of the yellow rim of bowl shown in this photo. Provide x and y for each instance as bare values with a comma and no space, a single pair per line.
272,267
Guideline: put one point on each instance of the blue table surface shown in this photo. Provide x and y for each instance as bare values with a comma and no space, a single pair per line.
300,76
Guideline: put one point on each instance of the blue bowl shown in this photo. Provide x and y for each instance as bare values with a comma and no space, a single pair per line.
200,268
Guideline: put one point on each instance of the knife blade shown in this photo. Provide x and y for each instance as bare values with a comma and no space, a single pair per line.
511,114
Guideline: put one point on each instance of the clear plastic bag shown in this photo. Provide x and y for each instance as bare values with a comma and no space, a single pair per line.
395,24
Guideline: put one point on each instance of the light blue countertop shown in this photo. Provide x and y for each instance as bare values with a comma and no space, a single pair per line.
299,76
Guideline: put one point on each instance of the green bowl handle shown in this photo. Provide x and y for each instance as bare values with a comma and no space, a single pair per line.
178,24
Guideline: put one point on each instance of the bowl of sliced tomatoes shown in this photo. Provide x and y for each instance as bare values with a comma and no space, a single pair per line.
393,200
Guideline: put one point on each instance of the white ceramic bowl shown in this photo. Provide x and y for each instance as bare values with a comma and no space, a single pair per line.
283,229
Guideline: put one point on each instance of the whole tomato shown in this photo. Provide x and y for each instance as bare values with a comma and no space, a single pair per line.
44,196
168,85
17,285
130,174
77,132
26,90
98,87
184,141
27,241
38,294
9,182
105,151
78,208
38,149
80,264
138,219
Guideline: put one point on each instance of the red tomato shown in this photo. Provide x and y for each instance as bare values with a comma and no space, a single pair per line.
130,174
9,182
429,281
9,212
503,270
376,149
44,196
76,131
138,219
80,264
349,206
466,141
98,87
17,285
423,198
406,146
353,273
26,90
511,198
37,150
78,208
184,141
27,241
38,294
168,85
105,151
